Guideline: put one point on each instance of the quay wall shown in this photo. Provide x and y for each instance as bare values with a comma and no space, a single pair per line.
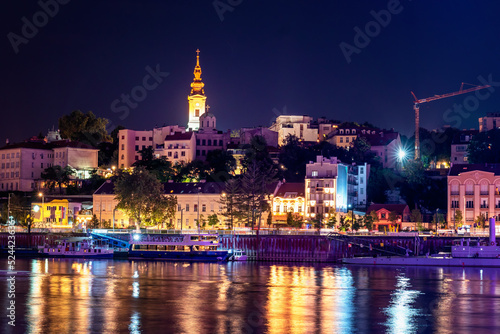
309,248
319,248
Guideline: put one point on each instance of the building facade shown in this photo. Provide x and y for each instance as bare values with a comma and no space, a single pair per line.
22,164
383,211
460,145
332,187
474,189
289,197
299,126
489,122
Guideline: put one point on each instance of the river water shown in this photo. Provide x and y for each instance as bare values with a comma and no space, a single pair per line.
121,296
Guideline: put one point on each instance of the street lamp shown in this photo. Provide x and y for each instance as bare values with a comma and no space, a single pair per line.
40,194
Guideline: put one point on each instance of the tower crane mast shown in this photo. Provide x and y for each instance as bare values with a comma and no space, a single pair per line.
416,107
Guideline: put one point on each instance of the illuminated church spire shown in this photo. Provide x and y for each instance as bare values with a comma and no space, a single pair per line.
197,97
197,84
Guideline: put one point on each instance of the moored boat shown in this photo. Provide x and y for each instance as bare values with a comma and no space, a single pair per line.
77,247
186,247
237,255
465,252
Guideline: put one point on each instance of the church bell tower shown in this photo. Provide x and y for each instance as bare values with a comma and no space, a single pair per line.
197,97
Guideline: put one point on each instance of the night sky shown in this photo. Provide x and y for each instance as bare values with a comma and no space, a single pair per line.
259,59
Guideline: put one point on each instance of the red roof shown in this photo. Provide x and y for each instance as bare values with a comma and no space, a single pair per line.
179,136
296,188
398,208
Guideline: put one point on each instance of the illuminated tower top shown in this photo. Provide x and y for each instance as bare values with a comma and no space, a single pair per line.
197,85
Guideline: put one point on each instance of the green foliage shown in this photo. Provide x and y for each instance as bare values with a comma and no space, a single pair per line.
318,221
220,162
230,199
485,147
57,175
294,220
438,220
85,128
458,218
356,225
293,159
480,221
380,181
344,224
359,149
141,196
416,216
369,219
93,223
332,220
393,217
213,220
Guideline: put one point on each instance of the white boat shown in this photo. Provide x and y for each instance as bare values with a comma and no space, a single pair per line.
237,255
77,247
185,247
466,252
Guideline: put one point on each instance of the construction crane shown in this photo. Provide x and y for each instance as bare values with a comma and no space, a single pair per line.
416,107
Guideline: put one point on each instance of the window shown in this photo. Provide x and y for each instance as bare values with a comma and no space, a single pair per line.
469,204
197,153
176,155
346,139
123,146
203,208
8,155
341,139
41,165
136,138
150,138
220,142
137,147
382,215
123,137
136,157
187,210
203,153
209,142
195,208
314,173
12,165
203,142
169,154
197,142
143,138
361,170
197,113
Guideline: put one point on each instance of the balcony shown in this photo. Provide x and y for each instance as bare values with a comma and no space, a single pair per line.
484,206
486,193
469,193
454,193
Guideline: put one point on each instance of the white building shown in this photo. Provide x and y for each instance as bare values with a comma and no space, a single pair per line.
132,141
460,145
22,164
332,186
299,126
180,147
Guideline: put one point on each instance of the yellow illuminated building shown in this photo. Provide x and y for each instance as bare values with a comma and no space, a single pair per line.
58,213
197,97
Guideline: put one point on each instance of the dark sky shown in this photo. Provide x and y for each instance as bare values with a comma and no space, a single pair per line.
264,58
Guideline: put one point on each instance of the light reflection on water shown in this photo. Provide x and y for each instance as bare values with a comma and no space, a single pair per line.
106,296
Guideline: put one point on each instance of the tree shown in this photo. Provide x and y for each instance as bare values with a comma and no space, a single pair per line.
359,148
438,220
484,147
163,210
229,200
85,128
57,175
356,224
20,209
458,219
416,217
213,220
318,221
293,159
369,219
480,221
221,164
294,220
332,221
141,196
93,223
344,224
393,217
